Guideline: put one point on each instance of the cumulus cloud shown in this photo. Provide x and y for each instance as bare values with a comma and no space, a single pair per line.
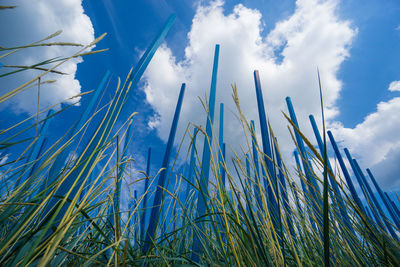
30,22
287,59
394,86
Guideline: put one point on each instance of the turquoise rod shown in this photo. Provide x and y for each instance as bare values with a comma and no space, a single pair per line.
205,162
156,208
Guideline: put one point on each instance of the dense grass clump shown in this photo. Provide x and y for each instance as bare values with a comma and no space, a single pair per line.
60,201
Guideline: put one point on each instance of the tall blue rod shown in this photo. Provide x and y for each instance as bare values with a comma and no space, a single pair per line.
313,186
35,150
364,190
247,187
397,211
145,197
272,191
338,196
223,174
257,184
60,160
384,199
192,164
205,163
282,186
345,173
221,142
155,211
375,201
305,191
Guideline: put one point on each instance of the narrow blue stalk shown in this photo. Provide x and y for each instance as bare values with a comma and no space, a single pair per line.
35,150
312,186
257,184
345,173
282,187
205,162
337,194
395,208
384,199
272,190
305,191
155,211
364,190
375,201
247,187
146,187
192,165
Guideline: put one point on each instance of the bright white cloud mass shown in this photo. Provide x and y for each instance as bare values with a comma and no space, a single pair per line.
287,58
34,20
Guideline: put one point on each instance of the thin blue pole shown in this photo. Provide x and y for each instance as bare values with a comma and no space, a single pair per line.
384,199
338,196
375,201
146,187
247,187
205,162
257,185
345,173
282,186
155,211
192,164
272,191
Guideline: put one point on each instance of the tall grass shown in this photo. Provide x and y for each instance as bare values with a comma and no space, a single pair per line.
59,210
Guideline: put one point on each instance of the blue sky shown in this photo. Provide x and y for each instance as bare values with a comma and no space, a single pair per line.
355,44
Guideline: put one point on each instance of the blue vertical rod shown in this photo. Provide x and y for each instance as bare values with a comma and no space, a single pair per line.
272,191
205,162
374,200
346,173
192,164
384,199
338,196
155,211
145,197
364,190
282,187
247,188
257,184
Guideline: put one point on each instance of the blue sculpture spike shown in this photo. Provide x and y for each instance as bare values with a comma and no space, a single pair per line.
205,162
338,196
272,191
345,173
384,199
155,211
257,184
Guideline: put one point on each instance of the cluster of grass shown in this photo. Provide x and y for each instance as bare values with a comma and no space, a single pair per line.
57,209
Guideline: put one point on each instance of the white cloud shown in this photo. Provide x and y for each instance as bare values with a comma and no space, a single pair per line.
30,22
313,36
394,86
